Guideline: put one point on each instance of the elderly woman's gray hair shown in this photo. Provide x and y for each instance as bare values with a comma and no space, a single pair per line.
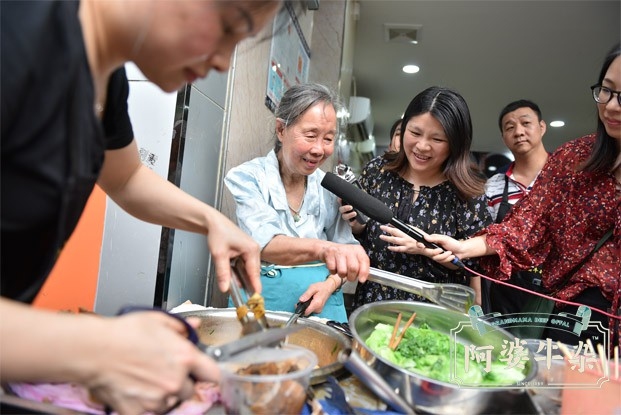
299,98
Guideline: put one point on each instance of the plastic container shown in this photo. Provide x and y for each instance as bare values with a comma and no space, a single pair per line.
267,380
550,376
591,392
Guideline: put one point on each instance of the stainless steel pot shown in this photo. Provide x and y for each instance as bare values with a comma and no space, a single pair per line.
423,393
220,325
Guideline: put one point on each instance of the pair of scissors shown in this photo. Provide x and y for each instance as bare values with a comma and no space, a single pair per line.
269,337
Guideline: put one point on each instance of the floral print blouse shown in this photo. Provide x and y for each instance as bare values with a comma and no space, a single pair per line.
437,209
558,224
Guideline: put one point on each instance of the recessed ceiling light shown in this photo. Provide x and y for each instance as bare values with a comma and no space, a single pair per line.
411,69
557,123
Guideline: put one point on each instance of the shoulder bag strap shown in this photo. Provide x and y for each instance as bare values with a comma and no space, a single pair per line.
504,206
586,258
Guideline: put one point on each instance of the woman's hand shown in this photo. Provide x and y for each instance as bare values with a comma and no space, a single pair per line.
401,242
320,291
348,261
227,242
136,363
145,362
468,248
348,213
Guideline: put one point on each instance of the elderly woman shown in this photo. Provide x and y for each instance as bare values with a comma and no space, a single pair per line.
308,250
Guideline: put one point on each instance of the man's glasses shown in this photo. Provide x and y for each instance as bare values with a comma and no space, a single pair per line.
603,95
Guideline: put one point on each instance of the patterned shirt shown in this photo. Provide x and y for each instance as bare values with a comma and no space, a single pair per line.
558,224
437,209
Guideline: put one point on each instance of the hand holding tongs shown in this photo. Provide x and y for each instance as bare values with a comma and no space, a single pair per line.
251,314
267,337
454,296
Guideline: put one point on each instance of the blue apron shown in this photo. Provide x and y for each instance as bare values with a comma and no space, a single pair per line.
283,286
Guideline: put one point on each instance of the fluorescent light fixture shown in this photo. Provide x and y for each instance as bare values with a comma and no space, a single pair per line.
557,123
411,69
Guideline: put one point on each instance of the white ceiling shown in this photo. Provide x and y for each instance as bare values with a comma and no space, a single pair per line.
492,52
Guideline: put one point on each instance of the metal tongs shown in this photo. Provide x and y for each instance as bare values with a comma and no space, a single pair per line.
267,337
454,296
251,314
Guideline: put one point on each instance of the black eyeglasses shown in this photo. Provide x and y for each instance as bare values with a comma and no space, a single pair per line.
603,95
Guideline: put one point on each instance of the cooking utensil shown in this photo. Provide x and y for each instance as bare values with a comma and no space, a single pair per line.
300,308
423,393
220,325
267,337
262,338
342,327
251,313
453,296
358,367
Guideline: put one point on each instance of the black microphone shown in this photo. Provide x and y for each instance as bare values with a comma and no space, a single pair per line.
374,209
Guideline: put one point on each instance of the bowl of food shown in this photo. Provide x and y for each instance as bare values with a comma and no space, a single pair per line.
220,325
445,362
267,380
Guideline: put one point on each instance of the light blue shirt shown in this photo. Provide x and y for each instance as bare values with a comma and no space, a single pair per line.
262,210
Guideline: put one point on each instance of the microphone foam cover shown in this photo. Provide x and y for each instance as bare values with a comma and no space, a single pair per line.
358,198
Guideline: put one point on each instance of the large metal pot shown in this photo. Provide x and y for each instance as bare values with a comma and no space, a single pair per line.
426,394
220,325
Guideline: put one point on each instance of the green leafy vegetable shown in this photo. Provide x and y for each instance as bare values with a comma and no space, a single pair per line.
428,353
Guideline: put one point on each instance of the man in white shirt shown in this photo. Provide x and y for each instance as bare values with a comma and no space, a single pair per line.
522,129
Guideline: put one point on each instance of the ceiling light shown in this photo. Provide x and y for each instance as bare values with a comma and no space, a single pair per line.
557,123
411,69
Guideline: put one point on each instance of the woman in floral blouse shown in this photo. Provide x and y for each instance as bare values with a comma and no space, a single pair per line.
430,183
575,201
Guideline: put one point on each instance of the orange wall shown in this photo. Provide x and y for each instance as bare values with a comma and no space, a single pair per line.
72,285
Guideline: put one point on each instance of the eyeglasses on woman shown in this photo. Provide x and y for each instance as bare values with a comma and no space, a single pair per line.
603,95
